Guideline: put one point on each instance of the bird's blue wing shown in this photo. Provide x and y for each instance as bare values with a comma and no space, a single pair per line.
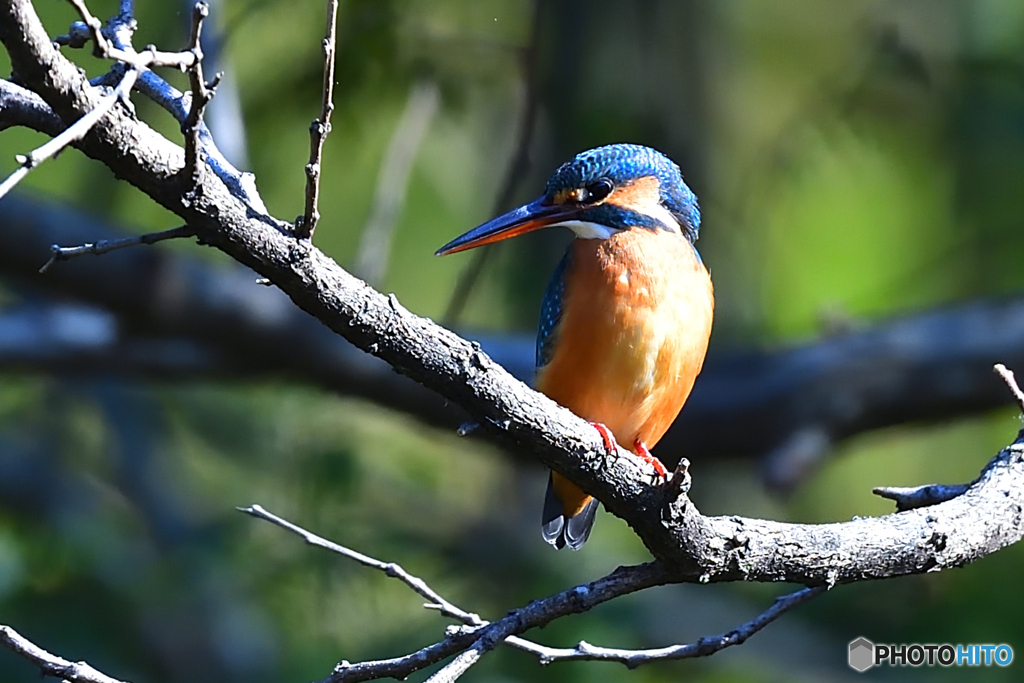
551,312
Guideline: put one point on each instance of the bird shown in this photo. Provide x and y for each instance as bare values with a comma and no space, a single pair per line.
626,317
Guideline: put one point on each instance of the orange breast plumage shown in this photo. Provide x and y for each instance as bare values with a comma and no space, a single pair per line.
636,314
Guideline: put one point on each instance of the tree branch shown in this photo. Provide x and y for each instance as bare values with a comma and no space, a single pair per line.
688,547
71,134
702,648
319,129
58,253
927,366
52,665
576,600
201,96
695,548
545,655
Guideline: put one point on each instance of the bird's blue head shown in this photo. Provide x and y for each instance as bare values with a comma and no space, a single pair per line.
600,192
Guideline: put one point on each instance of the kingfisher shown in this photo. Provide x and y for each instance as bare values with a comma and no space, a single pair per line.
626,317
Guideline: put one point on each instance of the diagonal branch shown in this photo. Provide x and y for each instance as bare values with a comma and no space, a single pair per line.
622,581
774,393
418,585
545,655
690,546
49,664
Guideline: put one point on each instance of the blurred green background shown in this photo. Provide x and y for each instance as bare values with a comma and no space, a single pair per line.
854,160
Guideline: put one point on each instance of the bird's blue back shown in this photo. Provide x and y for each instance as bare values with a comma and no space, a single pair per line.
551,312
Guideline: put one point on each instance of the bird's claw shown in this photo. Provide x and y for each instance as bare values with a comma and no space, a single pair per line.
661,474
611,448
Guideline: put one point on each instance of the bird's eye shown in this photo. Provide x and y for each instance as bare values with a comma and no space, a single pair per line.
594,192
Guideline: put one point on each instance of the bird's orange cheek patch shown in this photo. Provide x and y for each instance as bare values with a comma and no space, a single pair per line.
638,195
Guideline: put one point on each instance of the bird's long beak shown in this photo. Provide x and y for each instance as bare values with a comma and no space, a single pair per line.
526,218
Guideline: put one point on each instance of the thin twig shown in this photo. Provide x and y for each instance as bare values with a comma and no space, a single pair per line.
73,133
393,181
201,96
242,184
418,585
105,48
58,253
319,129
1011,382
136,62
389,568
517,168
490,637
702,648
49,664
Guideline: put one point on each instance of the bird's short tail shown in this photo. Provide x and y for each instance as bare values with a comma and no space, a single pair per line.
561,528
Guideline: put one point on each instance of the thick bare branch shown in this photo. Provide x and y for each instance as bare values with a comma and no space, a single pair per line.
21,107
696,548
926,366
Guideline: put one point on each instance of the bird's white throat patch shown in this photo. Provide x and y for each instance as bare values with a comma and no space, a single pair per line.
595,231
589,231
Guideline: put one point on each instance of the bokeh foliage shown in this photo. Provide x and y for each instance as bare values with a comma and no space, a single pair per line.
854,160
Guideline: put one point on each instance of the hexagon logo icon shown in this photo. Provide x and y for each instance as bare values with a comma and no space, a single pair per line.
862,654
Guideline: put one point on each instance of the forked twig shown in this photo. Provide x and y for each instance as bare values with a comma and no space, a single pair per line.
490,634
93,27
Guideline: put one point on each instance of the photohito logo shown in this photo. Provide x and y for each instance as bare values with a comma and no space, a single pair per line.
863,654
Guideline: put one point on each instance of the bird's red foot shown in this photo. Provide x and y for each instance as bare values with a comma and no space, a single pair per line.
641,450
610,447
